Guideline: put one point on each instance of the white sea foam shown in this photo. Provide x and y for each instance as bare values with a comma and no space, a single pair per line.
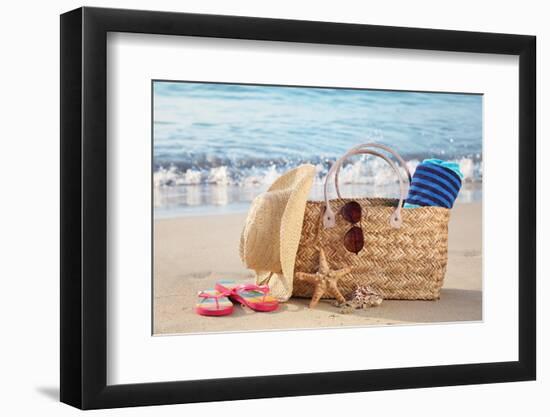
219,176
467,167
261,176
164,176
363,171
172,176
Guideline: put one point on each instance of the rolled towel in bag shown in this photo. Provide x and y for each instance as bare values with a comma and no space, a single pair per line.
435,183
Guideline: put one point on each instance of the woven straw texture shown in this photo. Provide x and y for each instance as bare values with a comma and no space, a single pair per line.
407,263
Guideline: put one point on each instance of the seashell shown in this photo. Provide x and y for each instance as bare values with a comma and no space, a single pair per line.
365,297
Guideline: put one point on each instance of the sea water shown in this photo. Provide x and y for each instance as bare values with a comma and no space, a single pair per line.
216,146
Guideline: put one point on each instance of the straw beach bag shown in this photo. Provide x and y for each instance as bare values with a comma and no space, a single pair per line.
404,255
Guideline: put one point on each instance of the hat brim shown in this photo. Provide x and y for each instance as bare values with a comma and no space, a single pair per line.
291,227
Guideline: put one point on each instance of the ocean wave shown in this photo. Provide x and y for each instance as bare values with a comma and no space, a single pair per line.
363,171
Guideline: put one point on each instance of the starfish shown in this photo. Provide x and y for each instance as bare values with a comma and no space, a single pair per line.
324,280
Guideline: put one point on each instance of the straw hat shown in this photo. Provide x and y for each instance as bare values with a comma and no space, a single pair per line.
271,234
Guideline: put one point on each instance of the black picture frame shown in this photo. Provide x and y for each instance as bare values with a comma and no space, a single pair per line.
84,207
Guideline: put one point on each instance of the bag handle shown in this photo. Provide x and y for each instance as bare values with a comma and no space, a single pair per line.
329,219
364,146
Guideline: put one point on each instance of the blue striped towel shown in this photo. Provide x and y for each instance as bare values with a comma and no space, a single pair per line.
434,183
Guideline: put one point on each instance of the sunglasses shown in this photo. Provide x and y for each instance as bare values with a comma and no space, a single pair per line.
353,239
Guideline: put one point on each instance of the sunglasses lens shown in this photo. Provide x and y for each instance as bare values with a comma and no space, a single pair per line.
351,212
353,240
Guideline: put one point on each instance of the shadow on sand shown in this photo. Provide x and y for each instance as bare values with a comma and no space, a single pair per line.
454,305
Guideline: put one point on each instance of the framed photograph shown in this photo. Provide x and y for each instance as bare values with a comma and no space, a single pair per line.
259,208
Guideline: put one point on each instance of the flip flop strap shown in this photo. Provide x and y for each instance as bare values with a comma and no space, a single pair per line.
216,297
252,287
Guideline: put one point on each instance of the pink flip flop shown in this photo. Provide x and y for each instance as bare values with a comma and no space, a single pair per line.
214,303
254,296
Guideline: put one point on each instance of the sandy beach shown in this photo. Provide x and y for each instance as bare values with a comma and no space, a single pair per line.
192,253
